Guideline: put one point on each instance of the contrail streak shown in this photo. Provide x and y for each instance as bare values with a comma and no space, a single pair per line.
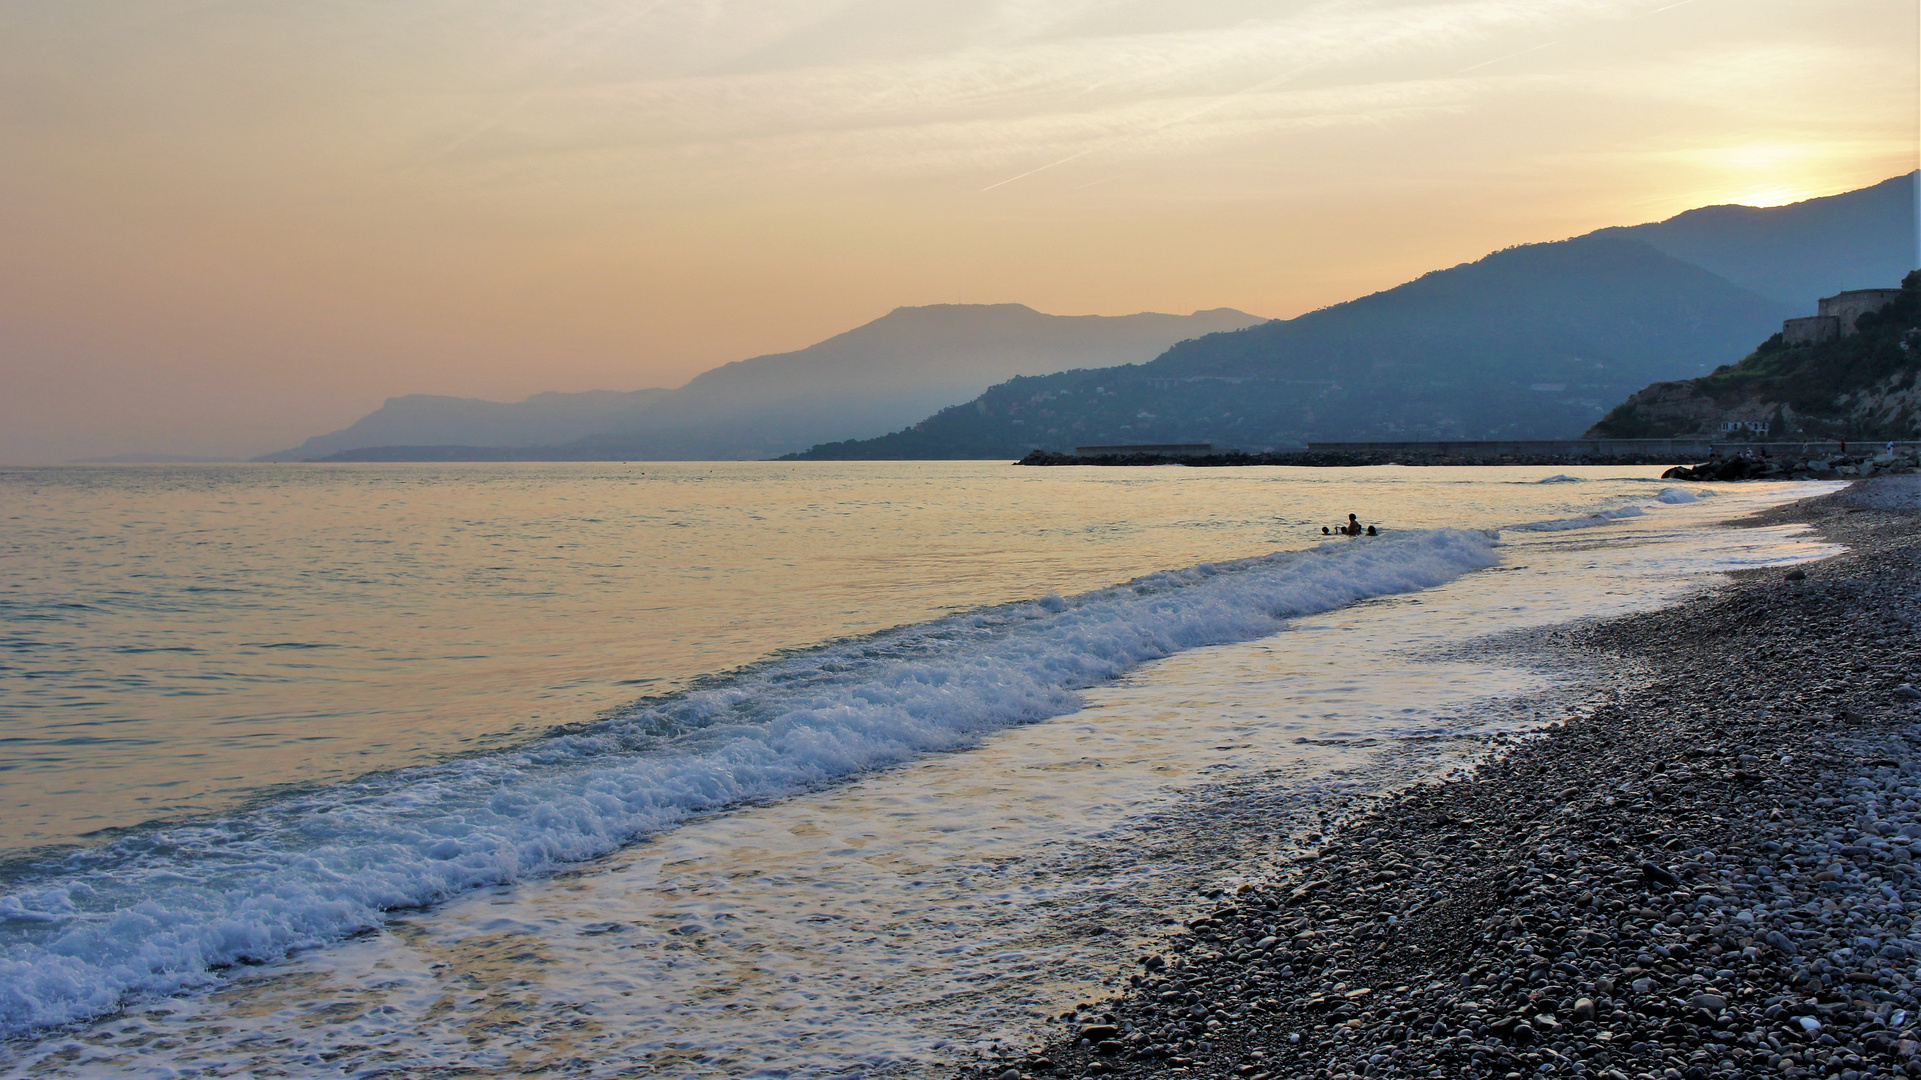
1509,56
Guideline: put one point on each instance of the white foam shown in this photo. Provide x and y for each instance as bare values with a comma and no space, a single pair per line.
1589,521
1560,478
1672,496
1677,496
164,909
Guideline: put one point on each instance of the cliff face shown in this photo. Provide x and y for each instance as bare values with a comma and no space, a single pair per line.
1864,386
1663,409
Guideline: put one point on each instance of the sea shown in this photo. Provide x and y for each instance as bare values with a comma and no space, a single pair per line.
759,769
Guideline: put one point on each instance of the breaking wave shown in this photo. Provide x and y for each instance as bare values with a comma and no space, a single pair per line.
1668,496
165,908
1587,521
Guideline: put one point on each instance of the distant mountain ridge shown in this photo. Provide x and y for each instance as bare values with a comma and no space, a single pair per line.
1533,342
1796,253
865,381
432,419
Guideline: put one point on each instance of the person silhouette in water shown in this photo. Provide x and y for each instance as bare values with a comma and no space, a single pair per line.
1353,526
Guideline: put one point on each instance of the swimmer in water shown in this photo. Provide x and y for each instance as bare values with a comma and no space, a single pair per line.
1371,532
1353,526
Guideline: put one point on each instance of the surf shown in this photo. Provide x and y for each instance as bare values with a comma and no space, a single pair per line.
166,909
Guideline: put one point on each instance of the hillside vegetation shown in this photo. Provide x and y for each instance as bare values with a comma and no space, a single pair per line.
1863,386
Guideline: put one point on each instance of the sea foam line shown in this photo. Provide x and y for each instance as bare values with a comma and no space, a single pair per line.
1667,497
163,910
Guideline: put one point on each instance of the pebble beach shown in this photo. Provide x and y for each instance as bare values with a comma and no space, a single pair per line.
1707,875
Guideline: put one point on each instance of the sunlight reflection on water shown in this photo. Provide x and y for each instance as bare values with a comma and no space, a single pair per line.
177,640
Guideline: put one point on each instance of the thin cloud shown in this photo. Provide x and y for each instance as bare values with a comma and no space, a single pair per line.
1195,114
1095,77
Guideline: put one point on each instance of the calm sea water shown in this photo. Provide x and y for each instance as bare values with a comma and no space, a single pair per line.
838,742
178,640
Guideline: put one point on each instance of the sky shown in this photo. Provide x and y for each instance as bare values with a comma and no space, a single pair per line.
228,225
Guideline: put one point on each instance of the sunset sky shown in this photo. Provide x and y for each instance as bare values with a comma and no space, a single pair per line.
226,226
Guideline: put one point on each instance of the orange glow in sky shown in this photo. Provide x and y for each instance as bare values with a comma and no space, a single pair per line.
225,227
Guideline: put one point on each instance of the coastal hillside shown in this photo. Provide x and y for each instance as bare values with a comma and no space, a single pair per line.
1531,342
1864,385
868,380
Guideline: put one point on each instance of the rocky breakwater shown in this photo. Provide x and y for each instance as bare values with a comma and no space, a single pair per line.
1711,877
1807,467
1343,458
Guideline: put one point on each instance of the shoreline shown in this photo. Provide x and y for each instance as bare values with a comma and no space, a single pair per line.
1662,887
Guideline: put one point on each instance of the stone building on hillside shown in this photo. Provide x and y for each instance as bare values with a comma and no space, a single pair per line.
1811,330
1837,316
1851,305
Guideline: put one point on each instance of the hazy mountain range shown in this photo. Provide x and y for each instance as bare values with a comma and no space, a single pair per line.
866,381
1536,341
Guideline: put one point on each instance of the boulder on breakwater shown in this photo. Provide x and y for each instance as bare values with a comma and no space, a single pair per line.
1343,458
1828,467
